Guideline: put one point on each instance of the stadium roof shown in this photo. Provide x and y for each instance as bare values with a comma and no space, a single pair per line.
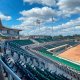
4,28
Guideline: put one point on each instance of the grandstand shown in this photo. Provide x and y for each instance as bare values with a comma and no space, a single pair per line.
8,33
26,60
39,39
48,54
45,52
23,42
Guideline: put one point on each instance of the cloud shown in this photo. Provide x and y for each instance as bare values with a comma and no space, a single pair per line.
29,17
44,13
4,17
69,4
38,31
68,7
69,28
65,7
43,2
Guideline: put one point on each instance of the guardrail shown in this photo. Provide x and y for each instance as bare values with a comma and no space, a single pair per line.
9,71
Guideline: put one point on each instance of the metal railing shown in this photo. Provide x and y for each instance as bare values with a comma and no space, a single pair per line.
9,71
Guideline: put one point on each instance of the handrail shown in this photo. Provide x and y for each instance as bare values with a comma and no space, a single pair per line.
9,70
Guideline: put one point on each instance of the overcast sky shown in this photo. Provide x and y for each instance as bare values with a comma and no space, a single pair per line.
57,17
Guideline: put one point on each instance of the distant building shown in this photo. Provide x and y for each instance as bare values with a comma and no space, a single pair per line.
9,33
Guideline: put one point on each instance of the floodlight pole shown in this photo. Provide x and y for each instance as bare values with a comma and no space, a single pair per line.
52,26
38,22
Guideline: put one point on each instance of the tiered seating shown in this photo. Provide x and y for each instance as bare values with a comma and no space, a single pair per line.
55,45
46,54
46,39
59,44
39,40
38,48
72,43
37,73
12,66
16,48
63,48
65,62
23,42
48,46
45,74
43,50
57,77
27,71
